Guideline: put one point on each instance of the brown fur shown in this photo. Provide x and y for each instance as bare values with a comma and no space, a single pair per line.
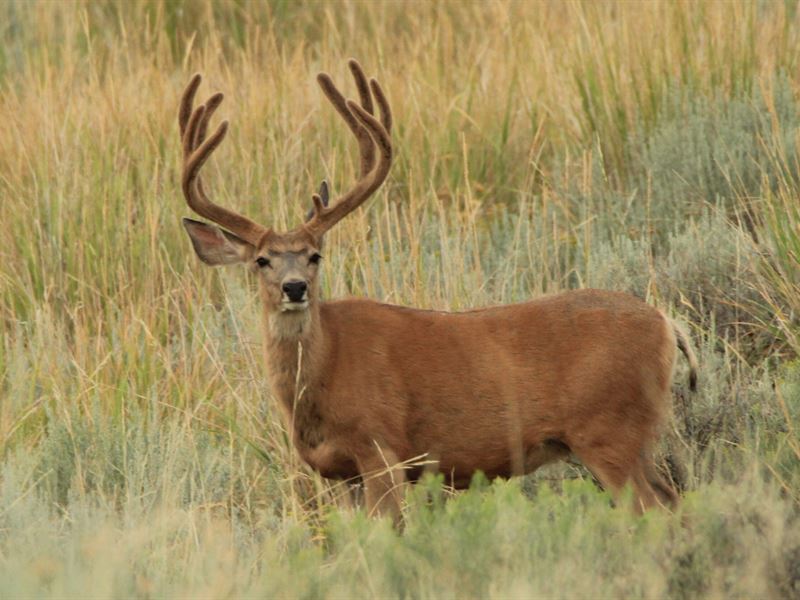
586,371
365,387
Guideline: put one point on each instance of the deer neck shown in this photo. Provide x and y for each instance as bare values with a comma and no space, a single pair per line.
294,347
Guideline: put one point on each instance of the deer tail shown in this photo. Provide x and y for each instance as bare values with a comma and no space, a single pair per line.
685,346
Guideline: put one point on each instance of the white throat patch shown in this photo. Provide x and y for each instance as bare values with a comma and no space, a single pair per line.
289,324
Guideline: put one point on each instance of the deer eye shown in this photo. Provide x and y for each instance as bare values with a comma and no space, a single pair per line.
262,262
314,259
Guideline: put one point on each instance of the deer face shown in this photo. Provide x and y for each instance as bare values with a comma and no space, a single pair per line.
286,264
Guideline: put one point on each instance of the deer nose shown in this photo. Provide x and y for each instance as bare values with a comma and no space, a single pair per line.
295,290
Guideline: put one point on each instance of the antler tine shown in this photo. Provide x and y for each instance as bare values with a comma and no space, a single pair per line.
196,150
211,106
191,131
383,104
363,124
322,196
319,205
366,147
361,84
187,100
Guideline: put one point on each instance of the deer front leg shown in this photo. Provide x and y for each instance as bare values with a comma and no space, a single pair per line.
384,482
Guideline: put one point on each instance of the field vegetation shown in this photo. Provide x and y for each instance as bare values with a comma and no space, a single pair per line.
647,147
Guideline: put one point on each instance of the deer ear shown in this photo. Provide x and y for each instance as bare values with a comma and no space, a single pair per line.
215,246
324,197
323,193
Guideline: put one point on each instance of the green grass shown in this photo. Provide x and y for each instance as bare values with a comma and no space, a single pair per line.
651,148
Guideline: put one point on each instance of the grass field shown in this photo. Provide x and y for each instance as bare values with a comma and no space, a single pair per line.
646,147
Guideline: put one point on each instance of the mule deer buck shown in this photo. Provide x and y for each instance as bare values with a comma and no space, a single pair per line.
366,386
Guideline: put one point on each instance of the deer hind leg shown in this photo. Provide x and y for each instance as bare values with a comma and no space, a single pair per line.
652,489
616,467
384,482
667,496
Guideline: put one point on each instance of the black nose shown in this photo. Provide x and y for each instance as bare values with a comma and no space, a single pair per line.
295,290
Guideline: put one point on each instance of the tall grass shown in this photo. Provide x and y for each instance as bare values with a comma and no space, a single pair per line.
648,147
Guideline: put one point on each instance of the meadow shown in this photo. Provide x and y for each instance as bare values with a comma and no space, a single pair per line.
647,147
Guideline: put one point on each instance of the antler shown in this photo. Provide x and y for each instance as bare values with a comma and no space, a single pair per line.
370,132
196,150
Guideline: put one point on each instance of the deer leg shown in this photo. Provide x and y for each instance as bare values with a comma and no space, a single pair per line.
329,460
645,496
384,482
615,468
666,494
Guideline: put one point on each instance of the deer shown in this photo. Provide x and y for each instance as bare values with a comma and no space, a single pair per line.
364,387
